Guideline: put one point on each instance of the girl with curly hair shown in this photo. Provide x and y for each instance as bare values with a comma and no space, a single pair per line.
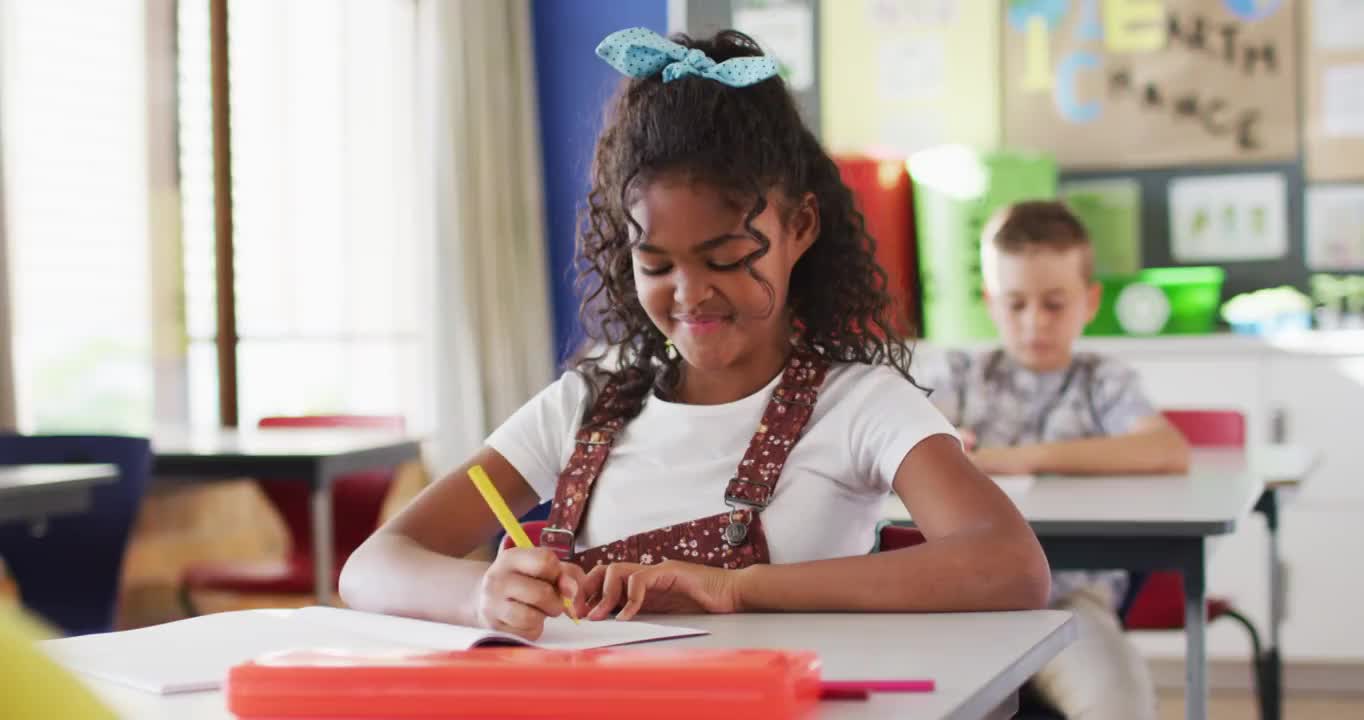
746,410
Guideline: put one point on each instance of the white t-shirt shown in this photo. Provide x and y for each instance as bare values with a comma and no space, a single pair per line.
671,464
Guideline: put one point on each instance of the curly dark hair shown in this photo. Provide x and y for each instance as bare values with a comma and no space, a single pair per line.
745,142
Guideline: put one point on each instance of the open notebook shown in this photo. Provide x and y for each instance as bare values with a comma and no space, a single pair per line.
195,654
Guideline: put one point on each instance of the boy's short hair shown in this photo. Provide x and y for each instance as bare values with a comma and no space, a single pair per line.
1034,225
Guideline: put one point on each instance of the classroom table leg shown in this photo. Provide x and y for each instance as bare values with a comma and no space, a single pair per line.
1195,637
1270,667
1186,554
321,506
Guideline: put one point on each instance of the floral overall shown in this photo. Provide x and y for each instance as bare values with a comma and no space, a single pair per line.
730,540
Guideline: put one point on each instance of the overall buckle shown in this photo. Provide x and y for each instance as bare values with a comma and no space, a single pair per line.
564,550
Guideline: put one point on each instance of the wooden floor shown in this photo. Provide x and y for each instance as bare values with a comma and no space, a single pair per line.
1241,706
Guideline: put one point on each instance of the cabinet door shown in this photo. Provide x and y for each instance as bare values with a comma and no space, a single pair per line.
1325,580
1324,584
1322,400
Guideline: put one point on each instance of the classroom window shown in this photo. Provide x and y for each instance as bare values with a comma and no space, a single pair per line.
329,259
73,107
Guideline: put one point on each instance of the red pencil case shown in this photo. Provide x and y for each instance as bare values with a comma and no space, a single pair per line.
503,682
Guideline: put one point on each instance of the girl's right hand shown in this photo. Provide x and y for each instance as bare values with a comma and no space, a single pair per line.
524,586
968,440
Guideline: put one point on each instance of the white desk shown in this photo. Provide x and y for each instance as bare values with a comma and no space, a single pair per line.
1284,465
1145,523
978,661
32,493
317,457
1219,490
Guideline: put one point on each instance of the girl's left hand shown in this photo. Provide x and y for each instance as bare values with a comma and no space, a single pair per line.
668,587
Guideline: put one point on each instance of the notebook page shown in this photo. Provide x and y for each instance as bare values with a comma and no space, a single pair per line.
560,632
399,631
195,654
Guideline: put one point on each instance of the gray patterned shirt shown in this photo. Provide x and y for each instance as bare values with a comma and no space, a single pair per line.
1005,405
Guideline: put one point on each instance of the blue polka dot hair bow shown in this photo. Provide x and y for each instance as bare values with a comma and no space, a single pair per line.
641,52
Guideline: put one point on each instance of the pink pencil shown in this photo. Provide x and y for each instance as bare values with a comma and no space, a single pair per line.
832,689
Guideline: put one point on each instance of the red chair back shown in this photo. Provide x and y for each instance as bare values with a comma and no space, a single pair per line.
357,499
883,193
532,528
895,538
1210,428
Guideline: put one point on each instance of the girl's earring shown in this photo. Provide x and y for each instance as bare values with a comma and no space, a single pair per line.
669,349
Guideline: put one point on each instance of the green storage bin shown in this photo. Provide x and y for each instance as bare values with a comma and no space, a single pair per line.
1110,210
1133,305
956,190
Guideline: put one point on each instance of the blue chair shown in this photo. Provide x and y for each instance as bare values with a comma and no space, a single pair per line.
70,575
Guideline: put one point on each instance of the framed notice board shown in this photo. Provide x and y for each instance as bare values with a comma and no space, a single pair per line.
1334,51
1122,84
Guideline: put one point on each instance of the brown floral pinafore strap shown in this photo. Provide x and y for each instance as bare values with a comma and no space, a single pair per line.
729,540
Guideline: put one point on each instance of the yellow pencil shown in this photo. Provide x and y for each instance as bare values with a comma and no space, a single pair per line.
508,520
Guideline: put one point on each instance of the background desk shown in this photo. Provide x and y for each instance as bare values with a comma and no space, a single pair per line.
317,457
31,493
1144,523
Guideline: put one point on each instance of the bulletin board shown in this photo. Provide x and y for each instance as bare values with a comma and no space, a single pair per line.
1137,99
898,76
1334,56
1158,246
788,30
1128,84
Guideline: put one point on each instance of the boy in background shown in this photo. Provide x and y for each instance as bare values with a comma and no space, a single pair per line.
1035,405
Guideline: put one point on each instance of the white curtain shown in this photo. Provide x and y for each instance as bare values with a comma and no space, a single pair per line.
494,345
